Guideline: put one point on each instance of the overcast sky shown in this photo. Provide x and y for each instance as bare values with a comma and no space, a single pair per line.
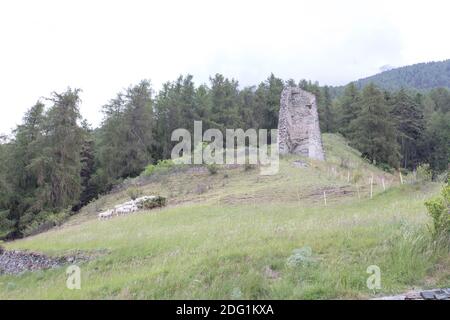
104,46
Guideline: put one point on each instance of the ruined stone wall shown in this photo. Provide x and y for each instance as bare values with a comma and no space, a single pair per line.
298,125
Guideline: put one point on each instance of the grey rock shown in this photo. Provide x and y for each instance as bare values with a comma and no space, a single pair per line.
16,262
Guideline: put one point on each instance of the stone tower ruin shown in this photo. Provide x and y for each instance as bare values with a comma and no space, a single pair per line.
298,124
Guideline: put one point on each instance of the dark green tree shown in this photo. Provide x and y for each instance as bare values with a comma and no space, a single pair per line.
225,102
349,107
326,112
58,165
437,141
373,131
410,125
126,138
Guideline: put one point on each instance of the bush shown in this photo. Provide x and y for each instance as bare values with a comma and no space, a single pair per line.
2,249
300,258
385,167
424,173
6,225
33,224
148,171
134,193
439,210
404,171
213,168
442,177
157,202
161,167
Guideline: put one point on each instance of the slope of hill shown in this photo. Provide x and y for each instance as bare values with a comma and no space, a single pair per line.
422,76
234,234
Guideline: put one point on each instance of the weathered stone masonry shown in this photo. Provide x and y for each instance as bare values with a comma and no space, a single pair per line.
298,125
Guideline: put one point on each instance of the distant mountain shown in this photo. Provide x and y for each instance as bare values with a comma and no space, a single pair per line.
422,76
386,68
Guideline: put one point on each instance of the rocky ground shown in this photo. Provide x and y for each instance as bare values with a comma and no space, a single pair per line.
16,262
436,294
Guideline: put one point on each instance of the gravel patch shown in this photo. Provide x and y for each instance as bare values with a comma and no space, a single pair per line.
16,262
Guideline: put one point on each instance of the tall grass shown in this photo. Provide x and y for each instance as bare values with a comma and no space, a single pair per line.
237,239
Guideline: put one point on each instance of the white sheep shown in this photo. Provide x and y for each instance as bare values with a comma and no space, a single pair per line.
124,208
121,210
106,215
144,198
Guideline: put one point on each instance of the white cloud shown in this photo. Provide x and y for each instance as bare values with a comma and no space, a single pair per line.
103,46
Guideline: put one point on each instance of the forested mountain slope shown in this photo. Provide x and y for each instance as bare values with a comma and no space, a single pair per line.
421,76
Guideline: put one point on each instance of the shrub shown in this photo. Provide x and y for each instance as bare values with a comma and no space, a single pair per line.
385,167
442,177
33,224
148,171
404,171
157,202
300,257
165,164
439,210
134,193
100,204
2,249
161,167
236,294
6,225
424,173
213,168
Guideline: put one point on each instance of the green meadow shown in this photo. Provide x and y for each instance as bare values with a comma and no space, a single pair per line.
233,235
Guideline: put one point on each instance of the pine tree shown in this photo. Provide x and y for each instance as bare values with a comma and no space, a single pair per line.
7,222
175,107
267,102
410,125
23,182
225,102
87,158
373,132
126,139
326,113
247,106
61,186
437,145
349,106
441,97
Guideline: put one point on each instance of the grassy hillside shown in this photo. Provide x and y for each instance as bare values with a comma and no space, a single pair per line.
230,236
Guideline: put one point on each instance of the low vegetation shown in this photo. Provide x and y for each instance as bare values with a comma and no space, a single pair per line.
439,210
252,237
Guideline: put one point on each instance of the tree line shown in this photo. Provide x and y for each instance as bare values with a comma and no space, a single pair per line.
55,163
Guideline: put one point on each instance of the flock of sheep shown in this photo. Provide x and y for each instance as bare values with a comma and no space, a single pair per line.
125,208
